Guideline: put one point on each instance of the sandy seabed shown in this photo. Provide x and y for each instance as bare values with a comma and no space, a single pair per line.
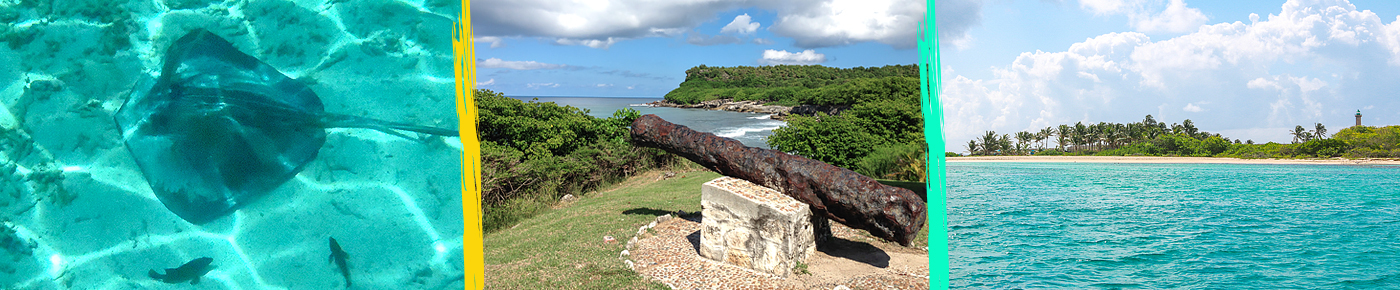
1181,160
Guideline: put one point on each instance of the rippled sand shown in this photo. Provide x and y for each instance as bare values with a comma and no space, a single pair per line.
72,195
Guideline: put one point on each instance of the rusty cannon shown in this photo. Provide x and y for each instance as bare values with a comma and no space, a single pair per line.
891,213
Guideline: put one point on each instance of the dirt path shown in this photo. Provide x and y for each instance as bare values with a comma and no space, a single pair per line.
668,253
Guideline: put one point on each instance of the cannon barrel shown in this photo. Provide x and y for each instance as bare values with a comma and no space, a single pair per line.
891,213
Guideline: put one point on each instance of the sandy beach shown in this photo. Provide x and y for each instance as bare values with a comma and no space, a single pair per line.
1156,159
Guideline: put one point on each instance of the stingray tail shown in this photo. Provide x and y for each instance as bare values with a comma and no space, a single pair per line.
392,128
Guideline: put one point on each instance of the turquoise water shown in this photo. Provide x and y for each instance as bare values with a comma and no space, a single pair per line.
76,211
1173,226
750,129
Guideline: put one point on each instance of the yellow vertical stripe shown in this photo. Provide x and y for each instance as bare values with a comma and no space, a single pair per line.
464,68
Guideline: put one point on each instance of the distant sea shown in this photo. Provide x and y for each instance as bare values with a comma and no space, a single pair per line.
1173,226
751,129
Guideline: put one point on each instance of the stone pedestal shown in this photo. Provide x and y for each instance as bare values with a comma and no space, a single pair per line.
754,227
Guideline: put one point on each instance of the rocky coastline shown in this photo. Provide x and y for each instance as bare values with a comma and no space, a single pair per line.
776,112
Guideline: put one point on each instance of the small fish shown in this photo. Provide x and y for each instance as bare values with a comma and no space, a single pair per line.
338,256
188,272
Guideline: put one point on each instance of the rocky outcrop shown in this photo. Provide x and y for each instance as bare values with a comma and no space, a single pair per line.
888,212
757,107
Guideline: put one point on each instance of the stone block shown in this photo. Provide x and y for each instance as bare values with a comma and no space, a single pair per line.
754,227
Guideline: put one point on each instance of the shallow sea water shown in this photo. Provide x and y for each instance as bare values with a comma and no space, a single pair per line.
1173,226
78,214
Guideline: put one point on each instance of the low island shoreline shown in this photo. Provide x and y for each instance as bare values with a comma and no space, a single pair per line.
1165,160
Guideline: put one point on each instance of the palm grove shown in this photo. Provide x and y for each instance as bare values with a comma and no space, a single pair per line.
1153,138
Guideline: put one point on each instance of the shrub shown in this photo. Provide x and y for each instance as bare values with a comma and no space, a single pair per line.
534,153
1323,147
886,160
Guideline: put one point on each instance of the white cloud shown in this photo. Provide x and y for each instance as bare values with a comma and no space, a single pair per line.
593,23
594,43
784,57
604,85
761,41
843,22
631,87
1144,15
486,83
1307,63
541,85
1261,83
1176,18
518,65
496,42
740,25
811,23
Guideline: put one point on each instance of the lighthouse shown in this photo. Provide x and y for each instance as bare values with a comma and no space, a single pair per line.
1358,117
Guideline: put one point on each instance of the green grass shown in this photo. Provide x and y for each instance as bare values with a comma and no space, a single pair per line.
564,249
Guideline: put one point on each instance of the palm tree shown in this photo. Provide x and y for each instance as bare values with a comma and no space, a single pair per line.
990,142
1081,134
971,147
1190,129
1005,142
1124,135
1299,134
1097,134
1022,139
1320,131
1064,133
1044,135
1135,132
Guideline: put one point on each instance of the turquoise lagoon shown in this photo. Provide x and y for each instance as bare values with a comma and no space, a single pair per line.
1173,226
77,213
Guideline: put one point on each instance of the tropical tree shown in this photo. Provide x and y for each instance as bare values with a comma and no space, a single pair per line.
972,147
990,142
1081,134
1300,134
1004,142
1190,129
1320,131
1135,132
1023,139
1044,135
1064,133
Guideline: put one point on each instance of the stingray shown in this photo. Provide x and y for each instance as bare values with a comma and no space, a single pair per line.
218,128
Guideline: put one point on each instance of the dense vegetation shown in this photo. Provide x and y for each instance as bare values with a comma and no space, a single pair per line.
880,135
791,84
1152,138
534,153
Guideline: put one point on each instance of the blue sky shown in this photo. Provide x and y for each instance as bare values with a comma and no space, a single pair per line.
638,48
1246,69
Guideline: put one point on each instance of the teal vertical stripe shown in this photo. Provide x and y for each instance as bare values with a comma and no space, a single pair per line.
931,84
